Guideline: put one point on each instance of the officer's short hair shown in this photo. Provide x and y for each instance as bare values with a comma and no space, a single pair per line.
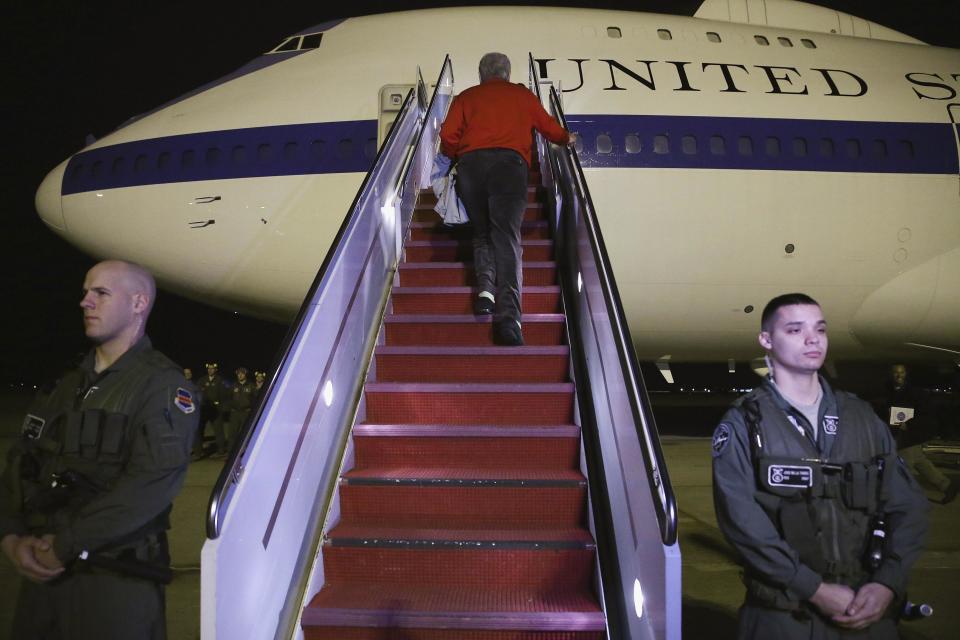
785,300
494,65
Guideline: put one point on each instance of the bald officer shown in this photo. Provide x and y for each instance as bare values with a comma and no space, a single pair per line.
809,491
87,489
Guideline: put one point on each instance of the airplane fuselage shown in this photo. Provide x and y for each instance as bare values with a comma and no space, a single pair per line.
728,163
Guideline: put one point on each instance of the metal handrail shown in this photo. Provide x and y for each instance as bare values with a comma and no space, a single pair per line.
232,469
664,500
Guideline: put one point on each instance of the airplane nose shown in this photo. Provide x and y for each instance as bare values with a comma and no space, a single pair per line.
48,202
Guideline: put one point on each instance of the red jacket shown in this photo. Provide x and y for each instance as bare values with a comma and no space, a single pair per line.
497,114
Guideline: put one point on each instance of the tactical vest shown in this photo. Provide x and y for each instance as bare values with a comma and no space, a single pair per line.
79,444
821,507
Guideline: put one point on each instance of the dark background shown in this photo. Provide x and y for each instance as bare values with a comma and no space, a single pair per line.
72,70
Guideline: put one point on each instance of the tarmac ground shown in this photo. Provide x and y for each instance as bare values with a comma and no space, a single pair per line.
712,591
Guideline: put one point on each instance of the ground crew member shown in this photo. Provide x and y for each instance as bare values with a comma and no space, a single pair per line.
488,131
87,489
809,492
214,392
241,401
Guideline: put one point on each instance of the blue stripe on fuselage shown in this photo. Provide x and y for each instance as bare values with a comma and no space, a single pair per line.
676,142
778,144
283,150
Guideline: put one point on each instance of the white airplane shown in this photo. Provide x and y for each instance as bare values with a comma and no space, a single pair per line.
758,147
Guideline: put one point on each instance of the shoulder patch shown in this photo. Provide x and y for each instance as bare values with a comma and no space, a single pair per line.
184,401
721,438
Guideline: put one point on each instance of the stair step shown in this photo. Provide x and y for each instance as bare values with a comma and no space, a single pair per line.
459,300
459,507
362,612
429,403
427,214
535,230
508,569
507,455
453,251
459,274
472,364
461,329
376,535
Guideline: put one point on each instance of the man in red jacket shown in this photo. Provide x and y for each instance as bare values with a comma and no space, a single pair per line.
488,131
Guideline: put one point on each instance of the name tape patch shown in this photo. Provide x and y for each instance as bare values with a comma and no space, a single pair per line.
788,475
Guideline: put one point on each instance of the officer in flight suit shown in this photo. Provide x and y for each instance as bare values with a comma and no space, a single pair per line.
810,493
87,490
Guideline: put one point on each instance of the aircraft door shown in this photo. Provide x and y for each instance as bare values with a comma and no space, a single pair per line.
954,110
391,99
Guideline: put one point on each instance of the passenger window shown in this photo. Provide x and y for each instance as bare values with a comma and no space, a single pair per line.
632,143
604,144
290,151
773,146
713,36
316,149
96,169
311,41
808,43
664,34
188,158
800,147
826,147
370,148
578,144
77,170
879,148
906,148
614,32
140,164
718,145
118,165
761,40
784,42
661,144
163,160
689,145
264,152
745,146
239,154
345,148
853,148
213,156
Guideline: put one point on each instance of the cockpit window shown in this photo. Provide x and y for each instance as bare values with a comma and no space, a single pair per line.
299,43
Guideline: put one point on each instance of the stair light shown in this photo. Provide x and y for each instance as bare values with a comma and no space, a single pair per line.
328,393
638,598
579,282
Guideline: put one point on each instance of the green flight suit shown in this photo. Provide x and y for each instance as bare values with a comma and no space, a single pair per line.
241,401
118,445
791,536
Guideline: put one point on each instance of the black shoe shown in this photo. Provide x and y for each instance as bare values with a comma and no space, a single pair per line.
951,492
507,333
483,306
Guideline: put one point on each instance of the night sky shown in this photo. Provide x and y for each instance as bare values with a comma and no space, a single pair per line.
76,70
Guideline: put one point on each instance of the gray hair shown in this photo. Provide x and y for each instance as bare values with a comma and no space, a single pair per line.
494,65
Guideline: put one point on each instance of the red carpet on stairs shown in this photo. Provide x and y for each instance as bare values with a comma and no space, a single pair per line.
464,516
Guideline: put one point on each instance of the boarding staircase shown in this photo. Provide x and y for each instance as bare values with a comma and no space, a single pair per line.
465,512
405,478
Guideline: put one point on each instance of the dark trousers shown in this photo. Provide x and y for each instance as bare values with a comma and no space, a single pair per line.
90,605
492,183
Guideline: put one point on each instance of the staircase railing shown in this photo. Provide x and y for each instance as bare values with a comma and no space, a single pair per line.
266,511
627,472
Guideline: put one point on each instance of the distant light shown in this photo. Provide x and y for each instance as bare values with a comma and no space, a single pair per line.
236,313
638,598
328,393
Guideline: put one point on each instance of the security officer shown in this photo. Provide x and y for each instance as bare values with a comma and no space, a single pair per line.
214,391
241,400
810,493
87,490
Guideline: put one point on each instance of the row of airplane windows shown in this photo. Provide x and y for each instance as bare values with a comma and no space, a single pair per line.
713,36
771,146
238,155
